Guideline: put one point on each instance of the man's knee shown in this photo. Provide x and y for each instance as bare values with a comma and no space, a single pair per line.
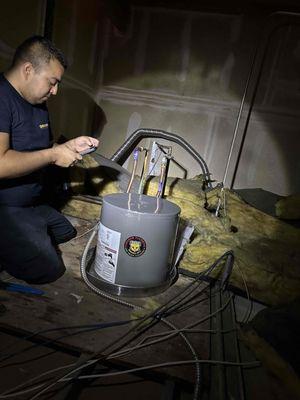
29,254
71,234
66,236
60,228
44,267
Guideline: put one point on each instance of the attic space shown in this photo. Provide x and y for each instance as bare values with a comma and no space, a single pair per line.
150,199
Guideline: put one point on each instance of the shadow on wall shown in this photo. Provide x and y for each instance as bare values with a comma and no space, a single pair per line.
74,113
212,70
270,144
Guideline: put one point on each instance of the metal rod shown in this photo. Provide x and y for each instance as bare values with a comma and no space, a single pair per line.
260,48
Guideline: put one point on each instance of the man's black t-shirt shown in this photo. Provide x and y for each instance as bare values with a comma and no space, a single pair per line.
29,129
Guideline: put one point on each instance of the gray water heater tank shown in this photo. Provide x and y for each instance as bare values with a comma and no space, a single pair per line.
136,241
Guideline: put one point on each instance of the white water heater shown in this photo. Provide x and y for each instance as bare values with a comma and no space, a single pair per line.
135,247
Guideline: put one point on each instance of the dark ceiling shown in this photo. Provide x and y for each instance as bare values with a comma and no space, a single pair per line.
264,6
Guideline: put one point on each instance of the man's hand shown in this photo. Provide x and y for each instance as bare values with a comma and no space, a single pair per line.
63,156
82,143
14,164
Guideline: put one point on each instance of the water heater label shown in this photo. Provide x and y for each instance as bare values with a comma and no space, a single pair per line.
135,246
107,253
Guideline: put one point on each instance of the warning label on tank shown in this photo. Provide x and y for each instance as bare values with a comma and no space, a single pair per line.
107,253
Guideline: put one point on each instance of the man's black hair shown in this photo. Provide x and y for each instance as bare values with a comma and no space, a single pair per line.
38,51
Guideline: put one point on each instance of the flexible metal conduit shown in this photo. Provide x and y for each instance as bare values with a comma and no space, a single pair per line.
83,264
126,149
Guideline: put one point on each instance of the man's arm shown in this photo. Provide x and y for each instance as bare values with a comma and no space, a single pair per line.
14,163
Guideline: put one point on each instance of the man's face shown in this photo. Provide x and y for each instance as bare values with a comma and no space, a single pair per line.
43,83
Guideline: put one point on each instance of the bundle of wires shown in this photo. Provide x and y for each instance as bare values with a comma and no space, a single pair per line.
188,297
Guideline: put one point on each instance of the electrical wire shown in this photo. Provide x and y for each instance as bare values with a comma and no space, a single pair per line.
8,393
152,315
89,363
84,365
74,364
190,305
194,353
171,158
22,392
248,311
251,364
168,334
149,316
83,234
32,335
226,255
203,273
162,177
127,351
135,162
176,309
83,329
141,133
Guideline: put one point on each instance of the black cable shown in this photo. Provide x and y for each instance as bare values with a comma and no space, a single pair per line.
188,306
176,309
83,329
154,316
32,335
226,255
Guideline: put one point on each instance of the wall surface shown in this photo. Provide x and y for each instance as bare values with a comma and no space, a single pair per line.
180,71
18,20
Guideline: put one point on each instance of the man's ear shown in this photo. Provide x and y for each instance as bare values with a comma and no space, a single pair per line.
27,70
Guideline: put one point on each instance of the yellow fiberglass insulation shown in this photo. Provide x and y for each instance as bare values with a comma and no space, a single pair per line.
288,207
267,250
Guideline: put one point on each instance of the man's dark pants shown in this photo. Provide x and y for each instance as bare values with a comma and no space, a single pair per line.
29,239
